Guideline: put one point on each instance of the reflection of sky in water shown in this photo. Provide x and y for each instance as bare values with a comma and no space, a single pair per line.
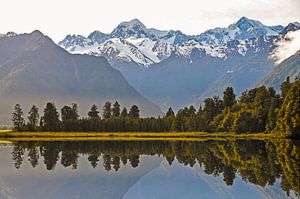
153,178
179,181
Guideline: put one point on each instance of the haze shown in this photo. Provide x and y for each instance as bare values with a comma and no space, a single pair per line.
57,18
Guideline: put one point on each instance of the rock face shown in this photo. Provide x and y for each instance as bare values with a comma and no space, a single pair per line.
33,69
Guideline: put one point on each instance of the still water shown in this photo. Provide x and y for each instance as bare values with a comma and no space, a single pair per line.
150,169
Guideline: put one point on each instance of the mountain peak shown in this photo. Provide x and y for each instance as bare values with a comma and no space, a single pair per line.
132,28
244,19
132,23
296,24
97,36
37,33
245,23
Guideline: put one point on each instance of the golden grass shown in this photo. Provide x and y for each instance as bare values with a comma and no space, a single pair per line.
5,131
49,139
138,136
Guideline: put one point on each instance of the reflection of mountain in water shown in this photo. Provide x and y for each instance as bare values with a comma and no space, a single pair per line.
178,181
84,182
5,190
254,168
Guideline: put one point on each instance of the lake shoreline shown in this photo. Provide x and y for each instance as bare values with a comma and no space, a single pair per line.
151,136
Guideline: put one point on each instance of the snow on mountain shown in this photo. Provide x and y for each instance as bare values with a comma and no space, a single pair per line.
132,41
8,34
74,43
97,37
243,29
137,29
133,28
143,51
122,49
187,48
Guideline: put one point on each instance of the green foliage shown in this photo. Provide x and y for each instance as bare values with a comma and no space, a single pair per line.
285,87
69,116
93,113
17,118
50,119
116,109
124,112
134,112
244,122
33,118
229,97
288,120
170,113
258,110
107,110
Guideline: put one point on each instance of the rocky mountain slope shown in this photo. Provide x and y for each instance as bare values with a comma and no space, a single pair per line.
290,67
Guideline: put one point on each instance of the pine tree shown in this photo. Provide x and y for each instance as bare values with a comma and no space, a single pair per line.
285,87
107,110
69,113
134,112
93,113
170,113
124,112
50,118
17,118
229,97
116,109
69,117
33,117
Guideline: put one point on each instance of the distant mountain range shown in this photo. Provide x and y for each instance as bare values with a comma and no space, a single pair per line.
133,41
175,69
34,70
169,68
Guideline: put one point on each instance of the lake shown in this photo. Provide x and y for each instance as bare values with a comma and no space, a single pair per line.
150,169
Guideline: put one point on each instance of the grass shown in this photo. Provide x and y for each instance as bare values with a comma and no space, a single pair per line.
5,131
9,135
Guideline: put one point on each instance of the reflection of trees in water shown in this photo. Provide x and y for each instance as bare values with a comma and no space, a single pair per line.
258,162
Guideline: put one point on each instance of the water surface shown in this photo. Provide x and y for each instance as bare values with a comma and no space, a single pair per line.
150,169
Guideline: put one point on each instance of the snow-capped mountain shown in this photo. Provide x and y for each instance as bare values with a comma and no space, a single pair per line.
73,42
137,29
161,64
132,41
142,51
97,37
243,29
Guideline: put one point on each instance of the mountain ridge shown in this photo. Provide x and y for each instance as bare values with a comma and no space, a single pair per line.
160,69
290,67
33,69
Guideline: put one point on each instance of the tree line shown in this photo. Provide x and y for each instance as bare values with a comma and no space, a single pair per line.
259,109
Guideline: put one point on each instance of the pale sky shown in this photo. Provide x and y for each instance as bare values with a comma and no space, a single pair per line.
57,18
